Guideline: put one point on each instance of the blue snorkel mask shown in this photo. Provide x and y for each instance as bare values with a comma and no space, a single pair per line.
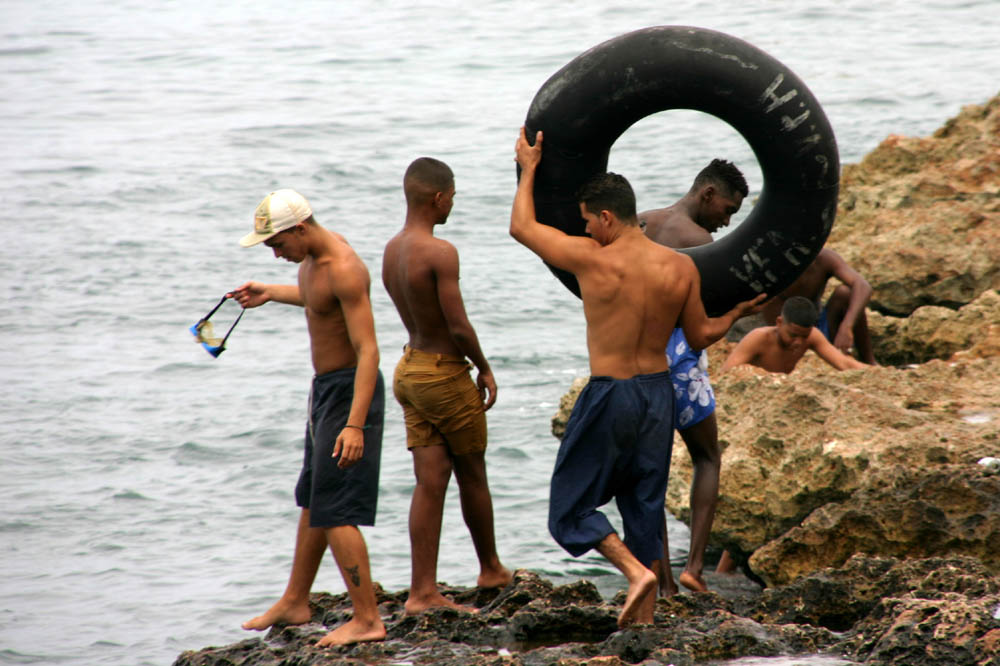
204,333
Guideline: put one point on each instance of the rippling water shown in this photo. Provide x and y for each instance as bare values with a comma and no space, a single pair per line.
148,488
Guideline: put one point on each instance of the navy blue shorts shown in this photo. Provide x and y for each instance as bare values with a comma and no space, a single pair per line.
336,496
617,445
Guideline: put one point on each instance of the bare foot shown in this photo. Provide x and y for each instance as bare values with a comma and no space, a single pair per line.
637,594
353,632
415,605
495,578
282,612
668,588
693,582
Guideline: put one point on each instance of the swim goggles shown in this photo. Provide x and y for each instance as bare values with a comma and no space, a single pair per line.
204,333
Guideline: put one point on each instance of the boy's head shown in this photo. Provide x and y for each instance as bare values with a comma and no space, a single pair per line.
725,175
611,192
800,311
798,316
604,198
427,182
719,190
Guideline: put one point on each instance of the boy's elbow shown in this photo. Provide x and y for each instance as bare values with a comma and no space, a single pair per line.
517,229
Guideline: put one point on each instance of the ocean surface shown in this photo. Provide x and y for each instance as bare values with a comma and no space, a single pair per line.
147,487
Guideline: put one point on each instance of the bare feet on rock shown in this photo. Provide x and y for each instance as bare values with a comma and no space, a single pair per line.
353,632
416,605
693,582
283,612
637,608
500,577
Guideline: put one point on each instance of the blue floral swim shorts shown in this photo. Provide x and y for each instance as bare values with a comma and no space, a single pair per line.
694,400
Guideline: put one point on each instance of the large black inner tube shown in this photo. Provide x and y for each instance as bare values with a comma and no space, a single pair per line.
585,106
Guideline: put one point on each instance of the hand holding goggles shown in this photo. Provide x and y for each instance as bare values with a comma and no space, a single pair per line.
204,333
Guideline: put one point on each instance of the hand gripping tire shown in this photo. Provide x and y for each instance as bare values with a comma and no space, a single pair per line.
585,106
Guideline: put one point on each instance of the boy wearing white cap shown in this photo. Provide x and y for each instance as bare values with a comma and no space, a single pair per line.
338,486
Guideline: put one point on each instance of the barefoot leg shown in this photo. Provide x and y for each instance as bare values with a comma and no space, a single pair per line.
641,595
477,509
702,441
351,554
665,576
726,564
293,606
432,467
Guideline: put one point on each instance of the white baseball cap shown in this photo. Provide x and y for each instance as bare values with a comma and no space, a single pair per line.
279,210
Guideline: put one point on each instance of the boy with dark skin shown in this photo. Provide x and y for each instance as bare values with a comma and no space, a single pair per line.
333,288
842,320
779,348
445,425
714,197
634,292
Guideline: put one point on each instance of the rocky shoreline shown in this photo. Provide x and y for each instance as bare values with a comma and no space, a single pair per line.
872,610
856,499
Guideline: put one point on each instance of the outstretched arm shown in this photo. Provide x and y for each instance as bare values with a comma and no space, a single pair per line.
702,330
826,351
255,294
745,351
459,327
552,245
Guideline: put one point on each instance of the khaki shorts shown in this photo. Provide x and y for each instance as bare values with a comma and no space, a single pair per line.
441,404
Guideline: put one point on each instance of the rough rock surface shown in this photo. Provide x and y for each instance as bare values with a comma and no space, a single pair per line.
915,513
794,443
931,611
920,217
933,331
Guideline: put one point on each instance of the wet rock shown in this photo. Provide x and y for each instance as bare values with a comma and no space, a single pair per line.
530,622
946,631
928,611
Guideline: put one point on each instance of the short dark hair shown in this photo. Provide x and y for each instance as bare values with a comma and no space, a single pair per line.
609,191
722,173
800,311
425,177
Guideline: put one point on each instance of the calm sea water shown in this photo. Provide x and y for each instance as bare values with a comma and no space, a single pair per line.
147,488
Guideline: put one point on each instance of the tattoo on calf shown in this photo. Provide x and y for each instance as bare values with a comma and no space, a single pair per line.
355,577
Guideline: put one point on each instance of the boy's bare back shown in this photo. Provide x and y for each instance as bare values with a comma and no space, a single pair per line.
633,291
413,263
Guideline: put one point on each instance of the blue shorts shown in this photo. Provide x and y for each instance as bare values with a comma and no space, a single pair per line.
823,324
336,496
617,445
694,400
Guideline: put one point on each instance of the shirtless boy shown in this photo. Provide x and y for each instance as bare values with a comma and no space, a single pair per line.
842,320
779,348
338,486
619,436
445,411
714,197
